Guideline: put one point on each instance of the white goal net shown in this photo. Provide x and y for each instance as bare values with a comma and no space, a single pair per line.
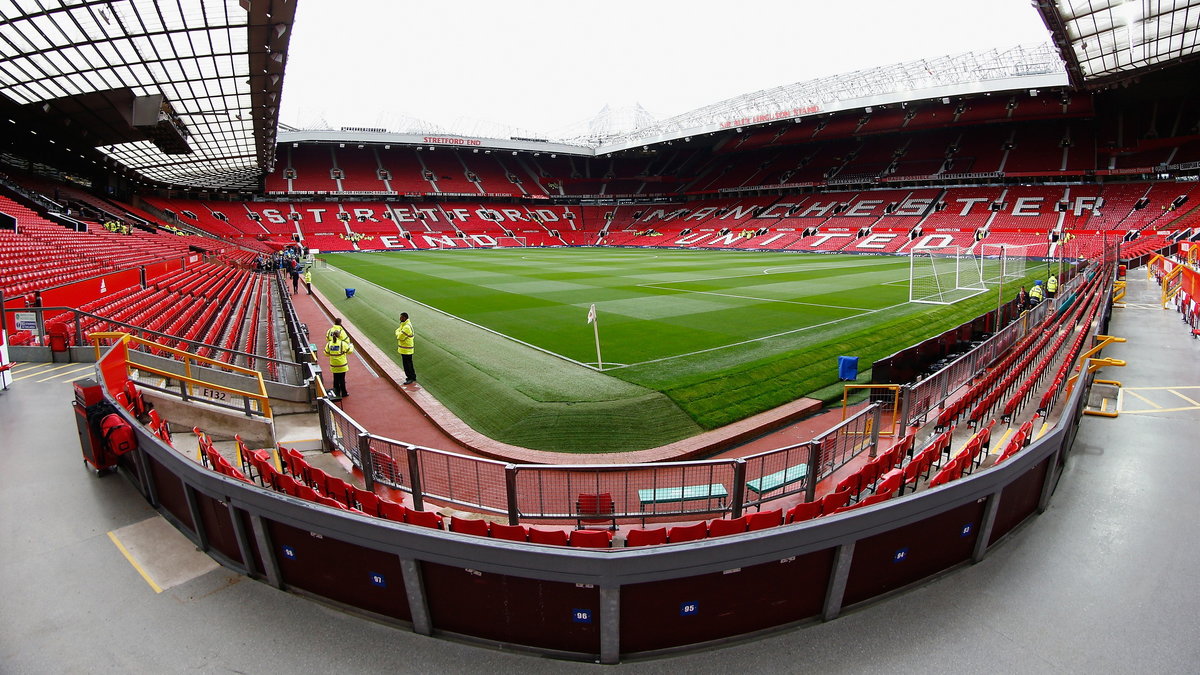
944,275
1006,261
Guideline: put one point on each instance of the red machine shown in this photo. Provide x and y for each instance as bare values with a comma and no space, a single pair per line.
103,435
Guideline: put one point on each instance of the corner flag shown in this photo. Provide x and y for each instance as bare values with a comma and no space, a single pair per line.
596,329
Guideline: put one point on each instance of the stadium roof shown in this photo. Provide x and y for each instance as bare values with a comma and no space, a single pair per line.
972,73
1036,66
97,69
1106,41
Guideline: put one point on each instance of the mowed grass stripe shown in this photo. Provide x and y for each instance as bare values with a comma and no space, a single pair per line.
641,325
724,335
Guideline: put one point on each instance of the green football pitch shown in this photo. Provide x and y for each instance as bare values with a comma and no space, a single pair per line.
689,340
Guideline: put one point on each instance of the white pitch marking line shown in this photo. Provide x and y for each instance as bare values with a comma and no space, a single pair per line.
863,312
751,297
758,339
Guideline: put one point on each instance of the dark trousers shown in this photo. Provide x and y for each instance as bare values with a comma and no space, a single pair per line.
410,373
295,285
309,287
339,384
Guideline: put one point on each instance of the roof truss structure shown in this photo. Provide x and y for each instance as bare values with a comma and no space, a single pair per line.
218,64
1106,41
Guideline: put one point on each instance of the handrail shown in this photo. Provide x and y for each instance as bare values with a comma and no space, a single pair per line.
187,357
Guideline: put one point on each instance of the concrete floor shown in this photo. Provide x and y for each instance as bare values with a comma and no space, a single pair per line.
1104,581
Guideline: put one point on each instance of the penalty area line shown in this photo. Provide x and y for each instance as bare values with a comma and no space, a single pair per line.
752,340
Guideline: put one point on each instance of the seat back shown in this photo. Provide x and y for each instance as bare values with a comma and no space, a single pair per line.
591,539
391,510
687,532
723,526
804,511
552,537
834,500
473,526
508,532
366,501
764,519
423,519
595,508
653,537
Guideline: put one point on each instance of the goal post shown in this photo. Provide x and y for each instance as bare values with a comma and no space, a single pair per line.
944,275
1008,261
509,242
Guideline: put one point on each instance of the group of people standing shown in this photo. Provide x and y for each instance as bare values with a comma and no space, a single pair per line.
1041,291
338,348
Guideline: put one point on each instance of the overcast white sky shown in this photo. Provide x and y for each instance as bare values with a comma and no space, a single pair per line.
547,65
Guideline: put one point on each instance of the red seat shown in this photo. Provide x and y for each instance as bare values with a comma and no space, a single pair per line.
804,511
508,532
391,510
890,482
687,532
469,526
591,539
306,492
328,501
294,461
423,519
336,488
764,519
317,478
833,501
946,475
552,537
367,501
646,537
594,508
723,526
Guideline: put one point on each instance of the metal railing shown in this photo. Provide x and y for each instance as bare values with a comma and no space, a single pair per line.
192,386
286,372
635,491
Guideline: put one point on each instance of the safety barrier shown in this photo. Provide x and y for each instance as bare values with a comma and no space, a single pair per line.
638,491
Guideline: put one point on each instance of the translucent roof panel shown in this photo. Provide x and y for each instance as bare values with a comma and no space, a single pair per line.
195,53
1107,40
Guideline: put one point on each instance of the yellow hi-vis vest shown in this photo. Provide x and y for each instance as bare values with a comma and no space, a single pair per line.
1052,284
404,338
338,352
1036,293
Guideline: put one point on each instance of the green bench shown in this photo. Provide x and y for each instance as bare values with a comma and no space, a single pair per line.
687,493
792,474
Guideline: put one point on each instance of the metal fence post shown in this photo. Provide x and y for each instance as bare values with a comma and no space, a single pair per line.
510,492
814,469
876,416
367,461
323,417
739,486
414,476
905,402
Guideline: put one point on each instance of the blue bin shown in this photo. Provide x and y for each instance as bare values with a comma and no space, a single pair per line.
848,368
349,293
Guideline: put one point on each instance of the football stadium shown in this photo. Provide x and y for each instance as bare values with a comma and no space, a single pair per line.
896,365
